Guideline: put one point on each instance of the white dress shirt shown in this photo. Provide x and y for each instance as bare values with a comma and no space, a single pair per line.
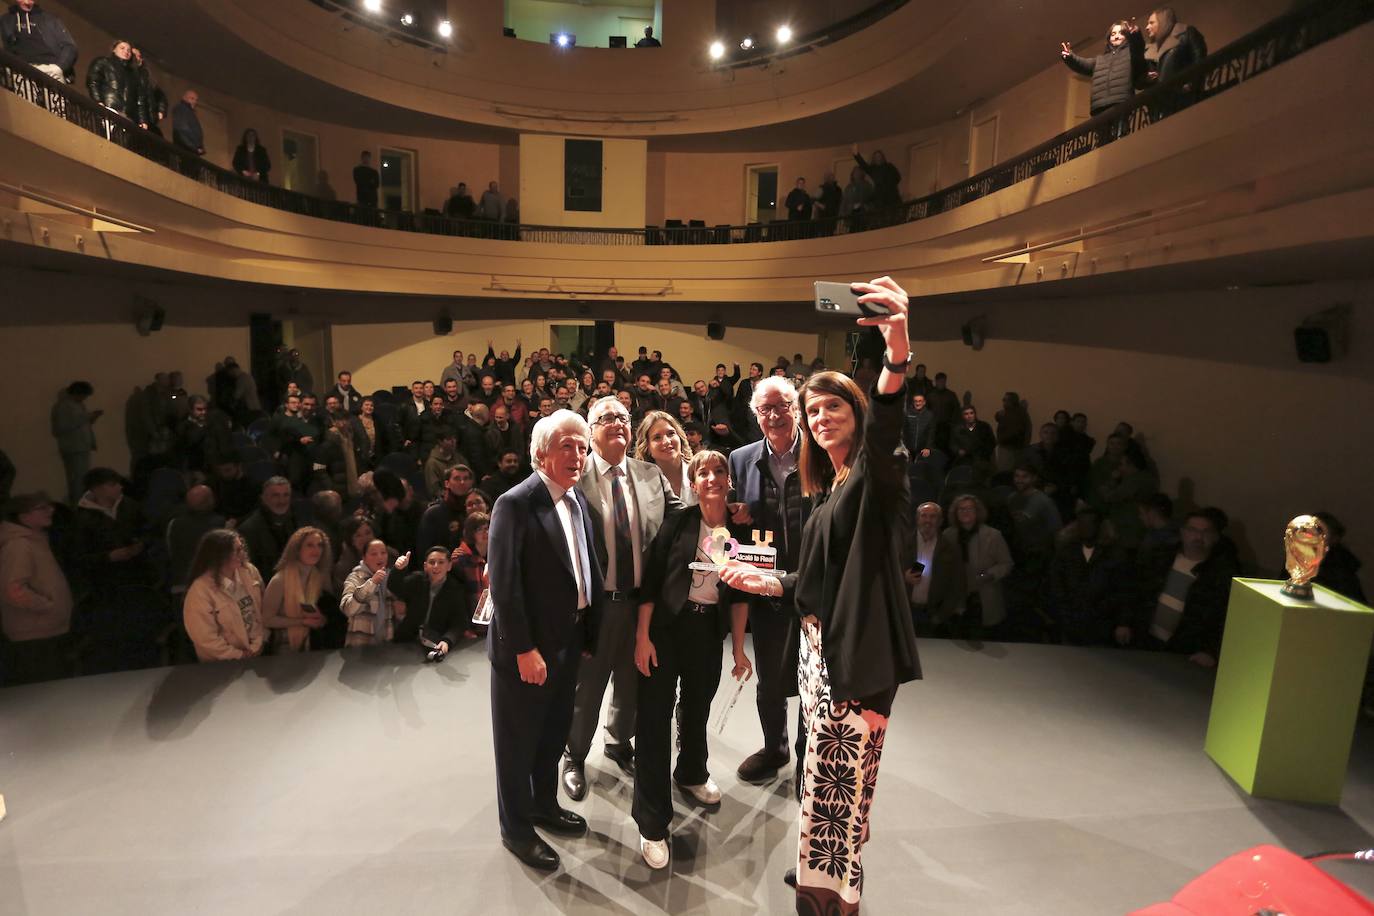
603,481
565,518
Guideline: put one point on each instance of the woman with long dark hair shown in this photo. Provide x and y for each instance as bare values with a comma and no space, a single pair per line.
858,643
223,605
250,159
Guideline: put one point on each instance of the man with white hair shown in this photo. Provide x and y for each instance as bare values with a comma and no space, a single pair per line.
767,483
628,499
546,591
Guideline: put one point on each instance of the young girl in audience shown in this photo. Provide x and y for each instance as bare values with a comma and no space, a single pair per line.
291,603
470,565
223,605
366,601
661,440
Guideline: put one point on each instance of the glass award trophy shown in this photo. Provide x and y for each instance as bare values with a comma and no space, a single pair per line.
721,549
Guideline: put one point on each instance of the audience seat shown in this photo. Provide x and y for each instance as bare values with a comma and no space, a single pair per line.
258,428
251,453
259,471
399,463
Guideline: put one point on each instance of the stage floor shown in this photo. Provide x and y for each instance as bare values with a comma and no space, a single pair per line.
1016,779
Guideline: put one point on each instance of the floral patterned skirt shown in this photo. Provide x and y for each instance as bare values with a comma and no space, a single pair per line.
843,746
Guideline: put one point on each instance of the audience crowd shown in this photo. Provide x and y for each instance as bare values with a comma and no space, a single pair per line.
320,512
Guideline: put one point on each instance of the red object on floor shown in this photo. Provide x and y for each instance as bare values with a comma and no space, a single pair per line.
1262,879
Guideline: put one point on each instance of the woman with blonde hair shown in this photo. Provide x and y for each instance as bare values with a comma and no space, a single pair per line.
223,605
291,603
858,642
661,440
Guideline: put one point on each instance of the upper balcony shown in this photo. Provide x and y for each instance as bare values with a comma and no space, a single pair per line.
913,64
1231,189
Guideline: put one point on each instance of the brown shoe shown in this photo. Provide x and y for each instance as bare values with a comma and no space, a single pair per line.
762,765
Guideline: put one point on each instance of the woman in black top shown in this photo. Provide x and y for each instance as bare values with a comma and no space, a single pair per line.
250,159
684,615
857,642
110,81
436,607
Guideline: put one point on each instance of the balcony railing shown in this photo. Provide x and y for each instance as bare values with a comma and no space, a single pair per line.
1255,53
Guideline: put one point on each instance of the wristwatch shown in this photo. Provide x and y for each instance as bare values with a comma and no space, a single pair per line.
898,368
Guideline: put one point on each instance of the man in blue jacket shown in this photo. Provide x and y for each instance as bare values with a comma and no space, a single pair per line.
40,39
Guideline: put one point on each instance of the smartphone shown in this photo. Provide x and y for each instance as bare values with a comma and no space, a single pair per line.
840,299
918,568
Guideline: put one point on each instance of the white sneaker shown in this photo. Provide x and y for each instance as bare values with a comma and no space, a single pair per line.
655,852
708,793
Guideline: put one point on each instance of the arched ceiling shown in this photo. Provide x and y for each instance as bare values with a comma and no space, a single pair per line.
941,58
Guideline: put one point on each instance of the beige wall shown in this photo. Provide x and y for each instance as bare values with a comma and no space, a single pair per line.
382,355
535,20
623,182
1211,383
694,356
40,361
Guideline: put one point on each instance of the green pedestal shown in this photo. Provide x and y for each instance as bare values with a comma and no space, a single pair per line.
1288,691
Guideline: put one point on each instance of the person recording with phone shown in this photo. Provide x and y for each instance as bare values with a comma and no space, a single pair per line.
858,644
684,614
436,604
936,574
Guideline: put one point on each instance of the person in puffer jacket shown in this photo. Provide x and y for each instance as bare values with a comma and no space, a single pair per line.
35,600
111,81
1117,72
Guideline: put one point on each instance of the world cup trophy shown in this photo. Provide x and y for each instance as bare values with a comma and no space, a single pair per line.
1305,545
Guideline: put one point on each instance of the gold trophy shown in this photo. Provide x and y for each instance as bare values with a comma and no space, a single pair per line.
1304,543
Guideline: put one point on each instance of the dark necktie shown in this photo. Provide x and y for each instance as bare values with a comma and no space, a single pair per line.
624,543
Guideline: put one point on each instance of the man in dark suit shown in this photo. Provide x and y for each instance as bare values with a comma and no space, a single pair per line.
767,483
628,499
546,591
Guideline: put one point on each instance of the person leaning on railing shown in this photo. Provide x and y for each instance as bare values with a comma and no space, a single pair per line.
1117,72
111,82
39,39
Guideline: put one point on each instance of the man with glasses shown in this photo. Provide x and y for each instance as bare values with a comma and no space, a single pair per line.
627,499
1184,595
767,483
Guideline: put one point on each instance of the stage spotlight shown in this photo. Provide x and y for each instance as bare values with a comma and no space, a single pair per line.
372,6
445,29
747,44
563,39
407,19
784,34
717,50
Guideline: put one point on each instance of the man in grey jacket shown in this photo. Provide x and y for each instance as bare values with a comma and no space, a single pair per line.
71,427
627,500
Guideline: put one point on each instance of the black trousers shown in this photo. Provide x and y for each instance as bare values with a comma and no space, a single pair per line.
529,726
689,650
777,673
34,660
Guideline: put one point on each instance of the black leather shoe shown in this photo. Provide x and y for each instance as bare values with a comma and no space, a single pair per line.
761,766
623,756
574,779
560,821
789,878
535,853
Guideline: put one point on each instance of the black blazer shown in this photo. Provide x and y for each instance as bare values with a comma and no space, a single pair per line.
667,579
533,589
447,618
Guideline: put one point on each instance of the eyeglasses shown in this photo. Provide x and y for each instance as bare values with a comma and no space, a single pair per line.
613,419
774,410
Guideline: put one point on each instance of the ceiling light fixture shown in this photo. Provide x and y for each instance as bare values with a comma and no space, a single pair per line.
407,19
563,39
717,50
372,6
445,29
747,43
784,34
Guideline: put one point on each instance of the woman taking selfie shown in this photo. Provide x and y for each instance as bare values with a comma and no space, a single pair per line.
858,643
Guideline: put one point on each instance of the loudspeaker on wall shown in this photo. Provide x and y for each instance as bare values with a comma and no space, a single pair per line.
443,325
715,330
